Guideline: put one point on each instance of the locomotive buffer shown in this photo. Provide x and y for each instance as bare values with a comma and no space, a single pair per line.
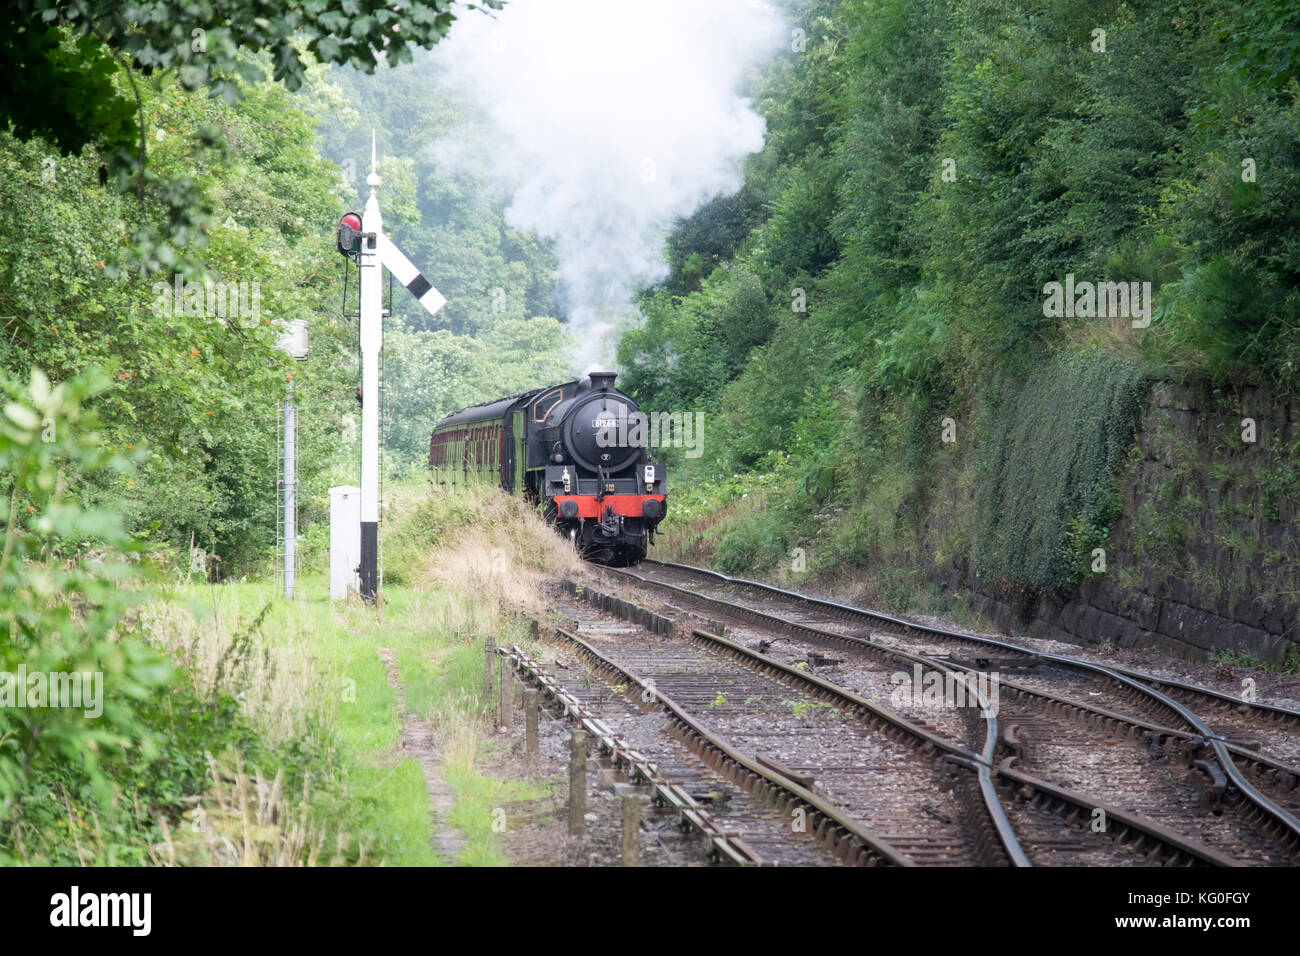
361,238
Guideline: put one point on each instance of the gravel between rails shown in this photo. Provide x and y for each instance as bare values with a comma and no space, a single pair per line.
1115,769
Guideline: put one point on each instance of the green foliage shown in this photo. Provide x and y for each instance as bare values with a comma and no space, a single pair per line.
438,204
61,608
797,240
1046,467
1280,482
709,237
96,776
202,45
929,167
1235,310
61,89
225,185
199,393
1262,40
689,347
78,78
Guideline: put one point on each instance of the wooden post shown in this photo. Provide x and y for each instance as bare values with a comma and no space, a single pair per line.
577,782
489,653
532,626
631,829
506,715
530,721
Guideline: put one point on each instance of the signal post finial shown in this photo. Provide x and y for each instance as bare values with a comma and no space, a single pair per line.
373,180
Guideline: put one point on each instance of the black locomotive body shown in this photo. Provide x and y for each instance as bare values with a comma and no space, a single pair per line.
564,447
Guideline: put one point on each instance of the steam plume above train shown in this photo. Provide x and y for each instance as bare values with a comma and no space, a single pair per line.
611,119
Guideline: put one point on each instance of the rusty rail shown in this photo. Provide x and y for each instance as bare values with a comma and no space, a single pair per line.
846,838
724,847
1178,850
1283,824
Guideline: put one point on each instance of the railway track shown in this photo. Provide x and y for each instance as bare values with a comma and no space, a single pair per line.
833,831
933,801
1231,716
800,729
711,813
1243,801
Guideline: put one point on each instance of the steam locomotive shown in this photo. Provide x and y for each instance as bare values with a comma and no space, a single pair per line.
557,447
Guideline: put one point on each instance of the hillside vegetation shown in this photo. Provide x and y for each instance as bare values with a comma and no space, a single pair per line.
868,324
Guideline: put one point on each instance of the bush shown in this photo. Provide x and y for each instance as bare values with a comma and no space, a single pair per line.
66,580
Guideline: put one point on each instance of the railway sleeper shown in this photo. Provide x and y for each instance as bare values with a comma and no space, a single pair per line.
1210,783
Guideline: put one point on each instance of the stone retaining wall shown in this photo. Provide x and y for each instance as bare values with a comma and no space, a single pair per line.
1227,577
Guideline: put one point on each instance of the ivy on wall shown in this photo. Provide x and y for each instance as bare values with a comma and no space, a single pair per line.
1047,472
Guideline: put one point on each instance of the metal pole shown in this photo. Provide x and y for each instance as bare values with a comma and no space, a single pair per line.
372,226
290,490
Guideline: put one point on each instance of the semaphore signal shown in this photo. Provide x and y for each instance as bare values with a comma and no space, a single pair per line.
361,237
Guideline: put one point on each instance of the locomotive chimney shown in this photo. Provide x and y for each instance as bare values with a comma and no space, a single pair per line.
601,381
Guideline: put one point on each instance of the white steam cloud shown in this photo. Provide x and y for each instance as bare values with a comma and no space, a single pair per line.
613,118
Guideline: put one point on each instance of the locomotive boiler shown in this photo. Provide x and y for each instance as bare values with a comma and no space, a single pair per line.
564,448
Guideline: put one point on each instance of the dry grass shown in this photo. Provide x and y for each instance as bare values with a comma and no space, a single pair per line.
277,688
244,820
466,566
488,549
243,650
1116,336
482,557
455,730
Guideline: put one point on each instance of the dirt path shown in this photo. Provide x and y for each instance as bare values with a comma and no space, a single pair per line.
417,743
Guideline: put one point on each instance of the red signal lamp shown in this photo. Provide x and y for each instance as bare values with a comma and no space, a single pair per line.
349,234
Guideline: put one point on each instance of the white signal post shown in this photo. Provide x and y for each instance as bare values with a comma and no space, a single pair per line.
372,339
376,253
